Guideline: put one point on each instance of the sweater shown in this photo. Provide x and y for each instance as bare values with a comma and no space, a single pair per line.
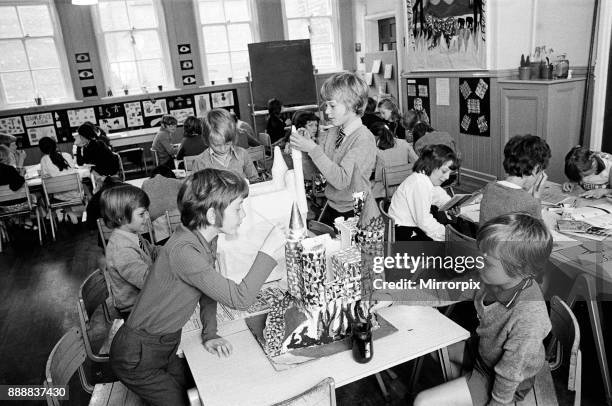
191,146
347,168
96,152
162,144
162,194
435,138
500,198
239,162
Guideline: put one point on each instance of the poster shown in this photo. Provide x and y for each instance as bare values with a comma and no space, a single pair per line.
113,123
38,119
79,116
182,114
442,91
222,99
110,111
474,106
133,113
35,134
154,107
202,104
179,102
417,91
11,125
388,71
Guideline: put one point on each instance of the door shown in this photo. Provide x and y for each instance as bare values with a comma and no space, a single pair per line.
386,34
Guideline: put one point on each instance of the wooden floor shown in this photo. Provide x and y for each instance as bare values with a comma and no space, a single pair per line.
38,287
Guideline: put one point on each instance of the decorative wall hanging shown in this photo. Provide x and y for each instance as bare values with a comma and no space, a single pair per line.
417,91
186,64
85,74
474,106
189,80
82,57
184,49
89,91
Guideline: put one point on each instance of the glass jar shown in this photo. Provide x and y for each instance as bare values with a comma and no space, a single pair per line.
562,67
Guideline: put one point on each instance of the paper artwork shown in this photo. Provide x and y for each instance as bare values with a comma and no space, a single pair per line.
442,91
38,119
423,91
418,104
465,122
388,71
182,114
202,104
481,89
483,126
11,125
412,90
35,134
222,99
113,123
465,90
155,107
133,112
369,78
79,116
473,106
376,65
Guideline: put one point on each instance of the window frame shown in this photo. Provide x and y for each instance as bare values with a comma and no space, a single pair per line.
337,42
254,24
61,54
163,41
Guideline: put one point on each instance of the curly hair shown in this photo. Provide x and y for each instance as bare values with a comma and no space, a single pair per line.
524,153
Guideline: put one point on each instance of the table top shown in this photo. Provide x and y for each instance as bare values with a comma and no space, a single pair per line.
247,376
33,179
179,173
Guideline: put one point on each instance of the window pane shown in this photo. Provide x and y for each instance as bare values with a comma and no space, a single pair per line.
319,7
298,29
42,53
215,39
240,64
218,66
211,12
321,30
123,74
9,23
322,56
142,14
18,87
296,8
152,73
239,36
237,10
113,16
119,46
49,83
36,20
146,44
12,56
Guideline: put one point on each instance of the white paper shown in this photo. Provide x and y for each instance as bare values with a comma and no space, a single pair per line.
222,99
11,125
35,134
202,104
182,114
388,71
133,112
113,123
368,78
78,117
376,65
155,108
442,92
39,119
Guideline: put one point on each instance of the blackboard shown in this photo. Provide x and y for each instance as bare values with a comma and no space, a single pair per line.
282,69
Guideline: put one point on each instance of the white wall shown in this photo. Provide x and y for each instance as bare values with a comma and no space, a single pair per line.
380,6
509,32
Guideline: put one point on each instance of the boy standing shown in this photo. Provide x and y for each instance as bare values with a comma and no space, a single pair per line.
162,143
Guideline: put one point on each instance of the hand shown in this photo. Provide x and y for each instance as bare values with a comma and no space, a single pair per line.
454,212
302,143
273,242
568,186
288,122
537,186
595,193
219,346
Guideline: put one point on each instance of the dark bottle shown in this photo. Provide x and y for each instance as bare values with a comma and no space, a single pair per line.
363,349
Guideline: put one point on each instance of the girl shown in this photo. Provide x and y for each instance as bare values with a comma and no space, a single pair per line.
17,156
412,201
129,257
589,169
276,126
389,111
143,352
193,141
92,150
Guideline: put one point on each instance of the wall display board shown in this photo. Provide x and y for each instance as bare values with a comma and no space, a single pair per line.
474,106
418,95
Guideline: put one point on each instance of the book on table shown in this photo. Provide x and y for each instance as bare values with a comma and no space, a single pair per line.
458,200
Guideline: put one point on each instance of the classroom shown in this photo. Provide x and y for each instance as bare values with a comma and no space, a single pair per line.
305,202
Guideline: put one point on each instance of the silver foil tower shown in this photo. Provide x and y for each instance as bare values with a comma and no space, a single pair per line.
293,252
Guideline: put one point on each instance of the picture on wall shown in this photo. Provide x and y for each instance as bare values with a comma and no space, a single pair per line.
89,91
85,74
222,99
189,79
11,125
474,106
202,104
184,49
82,57
446,35
133,113
38,119
35,134
182,114
79,116
186,64
113,123
154,107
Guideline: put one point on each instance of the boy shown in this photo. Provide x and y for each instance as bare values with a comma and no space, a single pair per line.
525,158
143,352
129,257
222,153
508,352
347,156
162,143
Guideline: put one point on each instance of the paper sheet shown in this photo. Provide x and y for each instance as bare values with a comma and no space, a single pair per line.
442,92
376,65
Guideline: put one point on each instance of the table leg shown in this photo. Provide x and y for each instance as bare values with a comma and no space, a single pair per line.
445,364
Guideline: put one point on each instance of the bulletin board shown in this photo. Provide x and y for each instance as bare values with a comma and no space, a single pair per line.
382,77
418,95
475,106
113,117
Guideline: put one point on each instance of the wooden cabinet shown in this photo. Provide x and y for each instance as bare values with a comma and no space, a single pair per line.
551,109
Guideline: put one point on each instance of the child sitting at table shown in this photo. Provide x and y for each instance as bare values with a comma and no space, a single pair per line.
193,142
91,149
143,352
129,257
412,201
222,153
507,352
589,169
525,158
389,111
162,143
275,127
17,156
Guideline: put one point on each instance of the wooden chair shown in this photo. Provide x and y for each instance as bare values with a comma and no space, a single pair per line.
318,228
104,232
120,161
143,161
393,176
66,358
389,226
6,194
155,157
266,141
189,160
173,219
70,182
258,156
93,293
322,394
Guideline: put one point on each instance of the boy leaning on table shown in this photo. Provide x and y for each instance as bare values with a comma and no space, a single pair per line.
502,360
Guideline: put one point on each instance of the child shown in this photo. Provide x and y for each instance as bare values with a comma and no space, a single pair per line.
525,158
589,169
412,201
508,352
129,257
389,111
193,141
347,156
162,188
92,150
9,175
17,156
307,124
162,143
391,151
245,136
369,116
423,134
143,352
275,126
220,133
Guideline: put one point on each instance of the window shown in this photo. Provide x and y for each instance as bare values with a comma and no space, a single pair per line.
32,57
315,20
133,45
226,30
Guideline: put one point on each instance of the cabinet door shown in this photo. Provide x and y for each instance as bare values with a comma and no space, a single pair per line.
523,112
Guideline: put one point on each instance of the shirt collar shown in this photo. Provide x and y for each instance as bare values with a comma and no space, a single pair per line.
232,151
508,297
131,236
351,126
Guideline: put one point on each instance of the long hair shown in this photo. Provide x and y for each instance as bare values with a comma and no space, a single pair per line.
48,146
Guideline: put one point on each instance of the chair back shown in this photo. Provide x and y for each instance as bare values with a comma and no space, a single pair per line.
6,194
92,294
120,162
389,226
70,182
266,141
459,244
173,218
393,176
318,228
257,154
322,394
155,157
189,160
452,234
104,232
566,344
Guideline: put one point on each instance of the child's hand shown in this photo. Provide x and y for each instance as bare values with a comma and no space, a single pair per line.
302,143
568,186
219,346
454,212
537,186
273,242
595,193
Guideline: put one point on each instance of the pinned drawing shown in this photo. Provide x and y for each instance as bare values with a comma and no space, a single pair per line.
37,120
35,134
202,104
133,113
181,114
79,116
114,123
11,125
155,107
474,106
222,99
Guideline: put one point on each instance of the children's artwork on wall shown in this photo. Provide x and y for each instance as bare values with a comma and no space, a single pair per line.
186,64
79,116
89,91
446,35
133,113
11,125
154,107
182,114
85,74
38,119
376,65
474,106
113,123
184,49
35,134
222,99
179,102
202,104
417,91
388,71
369,78
82,57
110,111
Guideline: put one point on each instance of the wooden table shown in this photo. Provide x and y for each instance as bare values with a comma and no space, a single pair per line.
33,179
133,137
248,378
